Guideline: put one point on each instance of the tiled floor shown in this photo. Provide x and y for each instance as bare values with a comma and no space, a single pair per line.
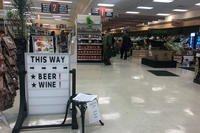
132,100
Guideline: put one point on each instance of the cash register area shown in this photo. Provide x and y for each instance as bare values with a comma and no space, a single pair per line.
131,100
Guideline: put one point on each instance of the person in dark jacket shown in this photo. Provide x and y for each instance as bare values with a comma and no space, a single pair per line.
107,47
54,40
125,45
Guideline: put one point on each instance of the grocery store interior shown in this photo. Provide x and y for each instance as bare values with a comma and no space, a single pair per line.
99,66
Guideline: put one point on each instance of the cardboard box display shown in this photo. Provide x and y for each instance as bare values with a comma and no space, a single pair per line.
160,55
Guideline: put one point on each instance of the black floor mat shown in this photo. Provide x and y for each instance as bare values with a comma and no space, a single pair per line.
188,68
162,73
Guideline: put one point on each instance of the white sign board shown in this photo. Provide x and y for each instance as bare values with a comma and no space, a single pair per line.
94,113
81,19
47,83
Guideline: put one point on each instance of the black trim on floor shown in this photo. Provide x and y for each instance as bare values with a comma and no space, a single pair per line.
162,73
159,64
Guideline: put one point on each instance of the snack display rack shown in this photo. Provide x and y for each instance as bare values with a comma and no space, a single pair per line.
197,69
8,73
89,39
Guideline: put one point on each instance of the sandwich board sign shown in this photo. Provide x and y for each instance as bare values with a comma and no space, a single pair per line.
47,82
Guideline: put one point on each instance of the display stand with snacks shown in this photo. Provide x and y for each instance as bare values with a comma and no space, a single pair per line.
89,39
197,69
8,75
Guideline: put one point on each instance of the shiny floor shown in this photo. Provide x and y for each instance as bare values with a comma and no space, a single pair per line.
132,100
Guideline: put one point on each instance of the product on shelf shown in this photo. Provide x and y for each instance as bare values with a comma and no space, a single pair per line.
90,46
8,73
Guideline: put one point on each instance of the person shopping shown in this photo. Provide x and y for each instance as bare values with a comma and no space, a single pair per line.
107,46
126,42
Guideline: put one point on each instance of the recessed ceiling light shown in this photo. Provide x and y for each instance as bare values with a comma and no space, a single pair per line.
197,4
180,10
145,7
163,14
163,1
131,12
7,2
106,5
61,1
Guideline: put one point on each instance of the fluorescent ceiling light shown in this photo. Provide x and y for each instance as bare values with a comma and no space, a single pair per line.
106,5
56,16
33,17
52,18
180,10
145,7
163,14
46,24
197,4
8,6
163,1
35,7
131,12
41,13
61,1
7,2
58,19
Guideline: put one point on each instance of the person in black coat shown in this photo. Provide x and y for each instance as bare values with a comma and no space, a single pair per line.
54,40
126,42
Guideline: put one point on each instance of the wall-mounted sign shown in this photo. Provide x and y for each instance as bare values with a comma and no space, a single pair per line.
54,7
43,44
47,83
81,19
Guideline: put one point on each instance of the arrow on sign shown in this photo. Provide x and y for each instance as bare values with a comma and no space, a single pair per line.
65,67
43,67
54,67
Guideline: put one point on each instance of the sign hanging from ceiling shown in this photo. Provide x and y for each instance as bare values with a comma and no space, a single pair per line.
102,11
54,7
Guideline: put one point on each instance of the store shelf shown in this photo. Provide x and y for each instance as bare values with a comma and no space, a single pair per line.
89,59
90,38
82,24
90,48
86,33
90,44
90,54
